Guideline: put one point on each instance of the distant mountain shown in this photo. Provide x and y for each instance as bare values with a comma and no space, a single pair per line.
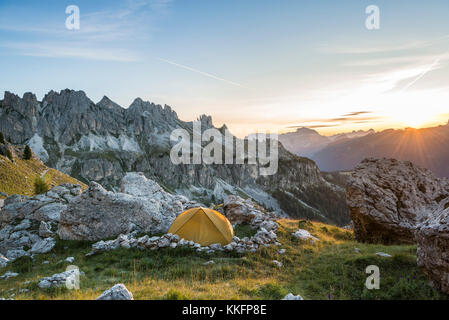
306,142
102,141
427,147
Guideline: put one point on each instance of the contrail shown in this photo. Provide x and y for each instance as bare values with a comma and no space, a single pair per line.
430,68
200,72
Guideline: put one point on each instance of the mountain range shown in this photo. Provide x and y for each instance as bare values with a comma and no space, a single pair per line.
306,142
426,147
102,141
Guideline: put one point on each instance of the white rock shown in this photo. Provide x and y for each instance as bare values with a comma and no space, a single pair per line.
58,279
8,275
281,251
43,246
208,262
291,296
304,235
277,263
70,259
383,254
117,292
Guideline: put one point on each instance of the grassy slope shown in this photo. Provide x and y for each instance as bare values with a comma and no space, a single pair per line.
18,177
330,269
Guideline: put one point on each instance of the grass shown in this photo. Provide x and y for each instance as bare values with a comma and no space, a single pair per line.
18,177
328,269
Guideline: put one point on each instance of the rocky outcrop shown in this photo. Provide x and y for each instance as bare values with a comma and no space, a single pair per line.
22,221
240,211
102,142
99,214
117,292
45,207
389,198
432,237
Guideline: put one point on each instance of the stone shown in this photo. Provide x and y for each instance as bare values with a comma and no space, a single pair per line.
277,263
58,279
8,275
117,292
208,262
24,225
45,230
70,259
388,198
304,235
43,246
383,254
291,296
432,238
16,253
281,251
97,214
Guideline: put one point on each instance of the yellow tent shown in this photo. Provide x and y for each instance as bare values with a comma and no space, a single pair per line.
204,226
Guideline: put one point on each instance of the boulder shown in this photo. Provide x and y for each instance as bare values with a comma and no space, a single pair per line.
98,214
43,207
304,235
117,292
388,198
432,237
59,279
43,246
238,210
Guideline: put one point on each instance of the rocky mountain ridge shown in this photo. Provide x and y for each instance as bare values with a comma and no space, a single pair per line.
102,141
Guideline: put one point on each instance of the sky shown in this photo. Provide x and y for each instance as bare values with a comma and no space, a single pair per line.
255,66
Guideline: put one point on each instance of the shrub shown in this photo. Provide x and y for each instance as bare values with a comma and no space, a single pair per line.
2,138
9,154
27,153
40,186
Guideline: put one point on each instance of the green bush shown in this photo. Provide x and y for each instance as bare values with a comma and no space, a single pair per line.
40,186
2,138
9,154
27,154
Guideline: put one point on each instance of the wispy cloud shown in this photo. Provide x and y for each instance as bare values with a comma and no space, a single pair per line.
71,50
98,37
206,74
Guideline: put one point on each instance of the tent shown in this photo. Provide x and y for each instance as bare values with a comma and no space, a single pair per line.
204,226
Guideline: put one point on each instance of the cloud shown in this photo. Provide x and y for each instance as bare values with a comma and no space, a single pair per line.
71,50
102,36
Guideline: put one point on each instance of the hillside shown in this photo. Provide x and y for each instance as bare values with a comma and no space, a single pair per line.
328,269
18,176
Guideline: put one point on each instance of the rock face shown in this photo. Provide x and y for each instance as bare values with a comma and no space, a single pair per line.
389,198
433,246
102,142
98,214
117,292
